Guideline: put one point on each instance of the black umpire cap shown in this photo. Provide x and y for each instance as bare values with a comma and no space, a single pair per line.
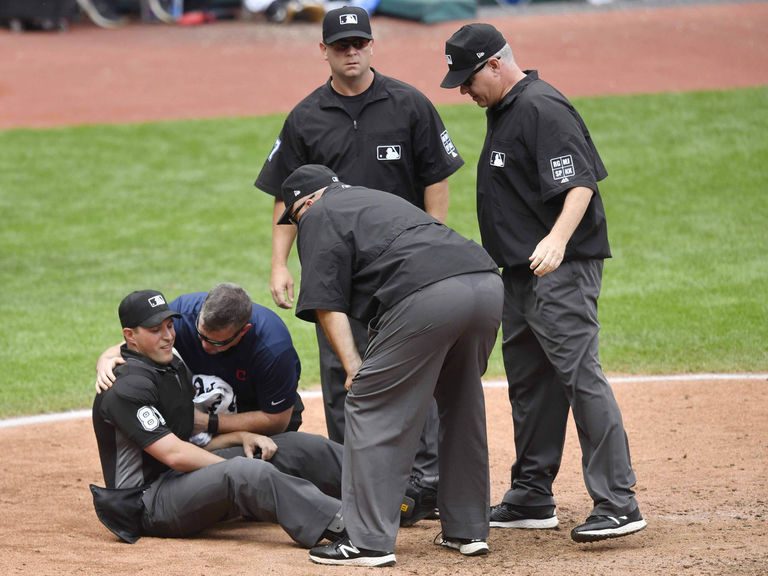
145,308
470,46
303,181
346,22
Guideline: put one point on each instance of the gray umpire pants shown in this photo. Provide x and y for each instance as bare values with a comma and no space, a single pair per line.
332,380
434,343
550,350
181,504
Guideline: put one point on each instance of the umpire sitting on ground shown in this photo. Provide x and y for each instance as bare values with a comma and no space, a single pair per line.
432,300
158,484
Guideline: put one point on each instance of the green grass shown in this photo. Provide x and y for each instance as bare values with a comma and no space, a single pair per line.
88,214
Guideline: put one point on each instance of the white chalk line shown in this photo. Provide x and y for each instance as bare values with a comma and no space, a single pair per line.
74,414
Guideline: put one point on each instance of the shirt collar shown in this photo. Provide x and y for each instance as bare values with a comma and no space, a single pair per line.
517,89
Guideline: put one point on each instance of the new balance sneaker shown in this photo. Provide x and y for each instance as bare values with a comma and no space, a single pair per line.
467,547
419,502
344,553
601,527
506,515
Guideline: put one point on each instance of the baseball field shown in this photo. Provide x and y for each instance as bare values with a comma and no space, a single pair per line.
127,159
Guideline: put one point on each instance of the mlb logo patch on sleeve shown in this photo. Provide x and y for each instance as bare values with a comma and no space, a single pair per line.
498,159
562,168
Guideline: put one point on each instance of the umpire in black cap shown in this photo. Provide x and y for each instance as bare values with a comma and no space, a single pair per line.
541,218
432,301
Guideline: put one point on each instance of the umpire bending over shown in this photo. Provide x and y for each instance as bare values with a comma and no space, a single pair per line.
542,220
432,300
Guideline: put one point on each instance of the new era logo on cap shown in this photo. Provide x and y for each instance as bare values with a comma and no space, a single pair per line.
348,19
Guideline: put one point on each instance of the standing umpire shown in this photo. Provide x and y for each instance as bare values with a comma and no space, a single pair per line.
432,300
542,220
372,131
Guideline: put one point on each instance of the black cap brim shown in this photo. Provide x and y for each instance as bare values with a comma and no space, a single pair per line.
456,78
158,318
284,218
347,34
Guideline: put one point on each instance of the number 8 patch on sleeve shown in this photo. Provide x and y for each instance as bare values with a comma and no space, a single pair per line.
149,418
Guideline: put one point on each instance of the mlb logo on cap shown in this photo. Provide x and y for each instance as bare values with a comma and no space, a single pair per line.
156,301
346,22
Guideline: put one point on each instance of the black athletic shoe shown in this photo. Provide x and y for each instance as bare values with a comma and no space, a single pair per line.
344,553
475,547
419,502
600,527
335,531
532,517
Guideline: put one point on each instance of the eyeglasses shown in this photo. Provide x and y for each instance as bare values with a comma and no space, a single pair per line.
468,82
343,45
217,343
292,215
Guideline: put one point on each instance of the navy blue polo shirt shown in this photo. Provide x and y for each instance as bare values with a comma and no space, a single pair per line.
263,368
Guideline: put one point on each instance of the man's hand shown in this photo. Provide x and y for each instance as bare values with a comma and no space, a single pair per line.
548,255
254,442
281,286
105,366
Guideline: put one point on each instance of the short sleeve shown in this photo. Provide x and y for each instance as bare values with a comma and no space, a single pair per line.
286,155
131,405
565,158
326,266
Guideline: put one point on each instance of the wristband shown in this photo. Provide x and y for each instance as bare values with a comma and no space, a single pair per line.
213,424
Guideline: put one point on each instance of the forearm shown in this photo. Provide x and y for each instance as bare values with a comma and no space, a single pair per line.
574,207
256,421
336,327
437,197
282,237
109,353
225,441
180,455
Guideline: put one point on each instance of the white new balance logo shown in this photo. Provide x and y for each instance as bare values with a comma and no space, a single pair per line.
348,549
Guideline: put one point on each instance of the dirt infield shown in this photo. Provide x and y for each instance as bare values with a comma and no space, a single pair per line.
699,448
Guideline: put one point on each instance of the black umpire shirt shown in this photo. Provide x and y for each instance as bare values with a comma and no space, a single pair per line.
398,142
536,148
147,402
362,252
